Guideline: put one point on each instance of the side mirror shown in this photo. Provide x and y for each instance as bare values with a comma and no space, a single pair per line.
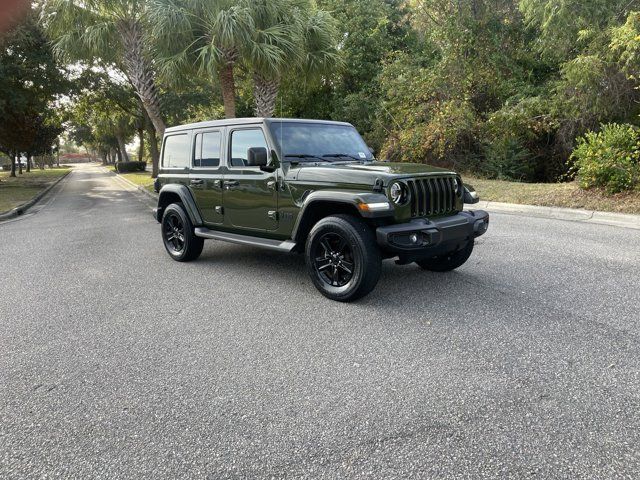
257,157
470,195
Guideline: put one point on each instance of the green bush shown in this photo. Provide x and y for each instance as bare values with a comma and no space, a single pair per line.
124,167
609,159
507,159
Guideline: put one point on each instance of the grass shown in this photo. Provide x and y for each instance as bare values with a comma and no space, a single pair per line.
22,188
568,195
142,179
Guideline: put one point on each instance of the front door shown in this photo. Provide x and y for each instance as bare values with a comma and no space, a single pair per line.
205,178
250,194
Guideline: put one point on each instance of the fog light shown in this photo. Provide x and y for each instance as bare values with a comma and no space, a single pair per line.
413,238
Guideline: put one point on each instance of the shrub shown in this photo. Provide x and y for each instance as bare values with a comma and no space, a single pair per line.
507,159
609,159
124,167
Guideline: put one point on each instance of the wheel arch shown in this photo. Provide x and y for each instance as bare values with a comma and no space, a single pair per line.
172,193
321,204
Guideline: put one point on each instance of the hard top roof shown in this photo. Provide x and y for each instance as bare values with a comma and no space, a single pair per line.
246,121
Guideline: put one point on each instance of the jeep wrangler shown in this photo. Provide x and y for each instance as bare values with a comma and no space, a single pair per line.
311,187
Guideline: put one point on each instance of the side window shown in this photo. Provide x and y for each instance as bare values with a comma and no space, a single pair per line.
176,151
241,141
207,152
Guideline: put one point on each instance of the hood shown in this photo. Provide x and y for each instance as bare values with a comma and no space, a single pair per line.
364,172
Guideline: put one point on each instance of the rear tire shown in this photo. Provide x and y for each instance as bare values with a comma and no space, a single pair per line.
343,258
448,261
178,234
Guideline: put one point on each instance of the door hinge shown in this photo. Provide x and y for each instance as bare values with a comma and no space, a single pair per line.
272,185
219,210
272,214
378,185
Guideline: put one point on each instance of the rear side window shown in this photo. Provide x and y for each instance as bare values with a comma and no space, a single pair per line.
207,152
176,151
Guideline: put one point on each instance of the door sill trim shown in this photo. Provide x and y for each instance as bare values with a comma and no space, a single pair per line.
279,245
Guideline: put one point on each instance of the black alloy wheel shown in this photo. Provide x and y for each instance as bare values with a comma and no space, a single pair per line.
174,232
334,260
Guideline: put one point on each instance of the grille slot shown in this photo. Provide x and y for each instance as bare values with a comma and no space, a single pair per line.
432,196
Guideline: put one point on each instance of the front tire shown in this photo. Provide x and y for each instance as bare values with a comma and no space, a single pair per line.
343,258
178,234
448,261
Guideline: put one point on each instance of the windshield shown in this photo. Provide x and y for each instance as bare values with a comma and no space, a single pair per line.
319,141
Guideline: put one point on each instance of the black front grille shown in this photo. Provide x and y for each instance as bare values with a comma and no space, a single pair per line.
432,196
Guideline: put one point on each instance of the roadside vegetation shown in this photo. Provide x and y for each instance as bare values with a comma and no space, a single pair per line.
14,191
530,91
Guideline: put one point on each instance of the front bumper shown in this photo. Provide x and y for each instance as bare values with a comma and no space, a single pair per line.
429,237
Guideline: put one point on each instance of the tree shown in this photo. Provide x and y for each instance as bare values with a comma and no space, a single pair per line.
111,32
289,38
105,115
198,36
31,79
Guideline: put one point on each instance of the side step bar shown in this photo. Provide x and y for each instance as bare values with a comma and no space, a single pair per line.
279,245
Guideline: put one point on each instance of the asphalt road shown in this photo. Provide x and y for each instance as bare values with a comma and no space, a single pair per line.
117,362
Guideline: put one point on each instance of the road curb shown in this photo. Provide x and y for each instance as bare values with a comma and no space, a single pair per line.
569,214
21,209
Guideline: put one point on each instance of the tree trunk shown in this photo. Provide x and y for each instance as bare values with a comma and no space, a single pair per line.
228,86
139,72
153,149
105,160
20,163
28,162
13,164
141,147
265,93
124,156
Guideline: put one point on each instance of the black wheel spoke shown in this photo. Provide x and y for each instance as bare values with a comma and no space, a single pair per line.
346,266
174,233
333,260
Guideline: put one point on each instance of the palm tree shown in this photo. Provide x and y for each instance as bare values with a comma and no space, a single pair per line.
109,33
309,50
200,36
268,38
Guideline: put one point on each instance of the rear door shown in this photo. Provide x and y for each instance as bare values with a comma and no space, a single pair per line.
206,177
250,194
176,156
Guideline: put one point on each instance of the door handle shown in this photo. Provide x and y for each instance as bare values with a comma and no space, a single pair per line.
196,181
231,183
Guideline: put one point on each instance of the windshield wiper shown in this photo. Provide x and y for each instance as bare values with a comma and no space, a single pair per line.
305,155
338,155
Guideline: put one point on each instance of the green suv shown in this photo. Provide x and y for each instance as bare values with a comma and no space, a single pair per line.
311,187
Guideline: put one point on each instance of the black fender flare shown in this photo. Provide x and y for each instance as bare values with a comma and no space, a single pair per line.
185,197
352,199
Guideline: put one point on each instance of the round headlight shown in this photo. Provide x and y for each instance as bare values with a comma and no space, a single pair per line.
398,193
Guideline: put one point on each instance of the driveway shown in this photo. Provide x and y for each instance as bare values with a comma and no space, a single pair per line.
117,362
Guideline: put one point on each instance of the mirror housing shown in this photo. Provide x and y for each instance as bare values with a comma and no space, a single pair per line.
470,194
257,157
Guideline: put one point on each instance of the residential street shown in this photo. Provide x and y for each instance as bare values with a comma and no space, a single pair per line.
117,362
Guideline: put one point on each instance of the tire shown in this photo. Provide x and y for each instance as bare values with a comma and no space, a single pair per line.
448,261
337,245
178,235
